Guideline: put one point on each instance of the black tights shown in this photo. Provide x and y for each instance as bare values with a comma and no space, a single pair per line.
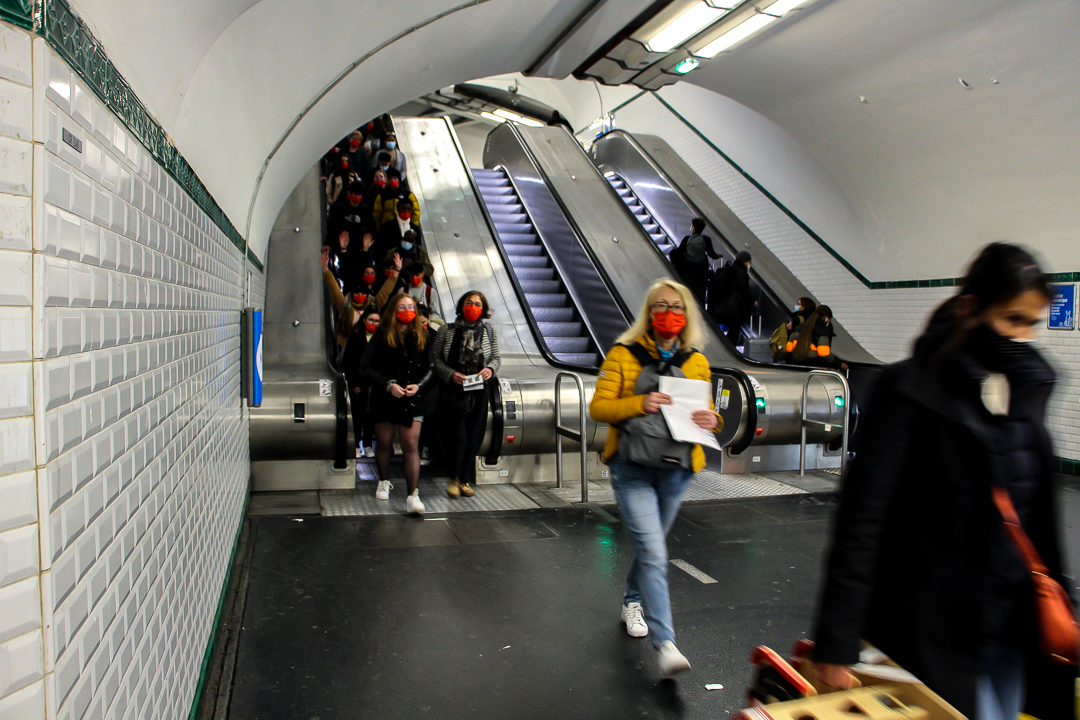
410,450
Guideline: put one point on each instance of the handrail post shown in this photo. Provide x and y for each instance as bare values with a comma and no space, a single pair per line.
803,422
579,434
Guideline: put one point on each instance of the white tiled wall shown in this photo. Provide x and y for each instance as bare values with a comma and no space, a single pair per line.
886,322
123,446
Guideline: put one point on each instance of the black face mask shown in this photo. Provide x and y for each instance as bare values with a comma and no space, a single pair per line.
997,353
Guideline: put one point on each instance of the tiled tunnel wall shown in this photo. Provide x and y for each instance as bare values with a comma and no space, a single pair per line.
123,442
886,322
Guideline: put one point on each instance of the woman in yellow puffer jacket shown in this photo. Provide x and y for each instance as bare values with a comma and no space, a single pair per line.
649,495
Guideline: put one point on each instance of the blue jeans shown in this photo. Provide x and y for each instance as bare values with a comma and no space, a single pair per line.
649,500
999,690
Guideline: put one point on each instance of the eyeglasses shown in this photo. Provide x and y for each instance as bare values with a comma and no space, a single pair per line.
677,308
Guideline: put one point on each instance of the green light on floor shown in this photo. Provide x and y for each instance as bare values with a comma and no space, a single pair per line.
838,401
760,403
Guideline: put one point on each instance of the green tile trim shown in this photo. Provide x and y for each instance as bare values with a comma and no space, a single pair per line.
254,260
18,12
211,643
65,31
1067,466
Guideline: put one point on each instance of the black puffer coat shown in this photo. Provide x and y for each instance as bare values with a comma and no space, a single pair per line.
407,365
916,554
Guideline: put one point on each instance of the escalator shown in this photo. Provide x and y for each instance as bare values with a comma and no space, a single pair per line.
641,214
560,323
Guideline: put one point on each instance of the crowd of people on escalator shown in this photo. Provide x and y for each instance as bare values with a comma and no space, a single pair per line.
806,338
403,360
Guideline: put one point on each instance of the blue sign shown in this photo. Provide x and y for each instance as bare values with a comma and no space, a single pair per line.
1062,307
257,370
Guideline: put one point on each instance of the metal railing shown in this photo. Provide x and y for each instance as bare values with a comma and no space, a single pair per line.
804,422
579,435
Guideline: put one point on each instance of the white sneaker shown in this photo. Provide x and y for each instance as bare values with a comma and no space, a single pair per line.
413,504
359,452
397,448
670,661
369,451
382,492
634,620
424,459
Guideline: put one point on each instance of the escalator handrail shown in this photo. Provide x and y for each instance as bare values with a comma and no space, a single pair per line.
498,420
547,248
529,318
340,384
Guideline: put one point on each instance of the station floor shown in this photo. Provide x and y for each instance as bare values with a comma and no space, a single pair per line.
512,614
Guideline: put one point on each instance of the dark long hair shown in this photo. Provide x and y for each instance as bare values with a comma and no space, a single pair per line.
999,273
806,333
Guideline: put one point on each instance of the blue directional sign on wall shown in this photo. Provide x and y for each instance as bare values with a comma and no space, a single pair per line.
1062,307
257,370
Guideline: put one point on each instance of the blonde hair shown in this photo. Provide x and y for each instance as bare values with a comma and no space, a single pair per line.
690,335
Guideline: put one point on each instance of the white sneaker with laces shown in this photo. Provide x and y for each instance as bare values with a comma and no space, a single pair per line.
424,459
413,504
382,492
369,451
670,661
634,620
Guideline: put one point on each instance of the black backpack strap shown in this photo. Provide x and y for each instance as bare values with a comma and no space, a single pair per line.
643,356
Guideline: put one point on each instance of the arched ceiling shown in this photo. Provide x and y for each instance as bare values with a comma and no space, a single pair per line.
924,163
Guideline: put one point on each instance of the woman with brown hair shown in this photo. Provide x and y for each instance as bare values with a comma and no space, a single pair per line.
954,441
397,364
467,347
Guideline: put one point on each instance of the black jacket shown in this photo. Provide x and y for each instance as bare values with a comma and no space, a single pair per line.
407,365
729,293
684,262
911,562
356,220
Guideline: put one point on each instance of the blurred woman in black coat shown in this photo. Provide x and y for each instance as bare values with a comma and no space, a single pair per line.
920,565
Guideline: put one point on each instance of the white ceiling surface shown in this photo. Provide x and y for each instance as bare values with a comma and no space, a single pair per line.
227,79
930,170
579,102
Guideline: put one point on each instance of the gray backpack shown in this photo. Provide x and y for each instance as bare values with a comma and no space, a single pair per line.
647,440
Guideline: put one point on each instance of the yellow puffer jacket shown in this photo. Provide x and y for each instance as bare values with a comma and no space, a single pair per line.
614,400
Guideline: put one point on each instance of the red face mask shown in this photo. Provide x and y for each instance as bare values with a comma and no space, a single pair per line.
370,126
405,215
371,326
354,144
387,273
380,183
344,165
369,277
416,280
668,324
355,199
393,182
472,313
359,298
406,316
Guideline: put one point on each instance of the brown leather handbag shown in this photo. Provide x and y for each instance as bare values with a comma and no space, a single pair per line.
1059,635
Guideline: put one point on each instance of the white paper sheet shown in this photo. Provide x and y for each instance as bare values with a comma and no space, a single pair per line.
687,397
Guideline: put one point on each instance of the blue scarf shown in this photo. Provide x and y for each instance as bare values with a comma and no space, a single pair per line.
666,355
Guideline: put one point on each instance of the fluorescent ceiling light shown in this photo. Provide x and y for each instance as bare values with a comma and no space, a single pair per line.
507,115
686,66
687,24
783,6
740,32
492,117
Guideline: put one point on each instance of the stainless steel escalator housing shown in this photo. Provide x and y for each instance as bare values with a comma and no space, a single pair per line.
674,194
460,241
632,263
297,431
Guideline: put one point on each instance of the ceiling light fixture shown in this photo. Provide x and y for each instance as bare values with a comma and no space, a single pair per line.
504,115
782,7
686,24
736,34
686,66
493,117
